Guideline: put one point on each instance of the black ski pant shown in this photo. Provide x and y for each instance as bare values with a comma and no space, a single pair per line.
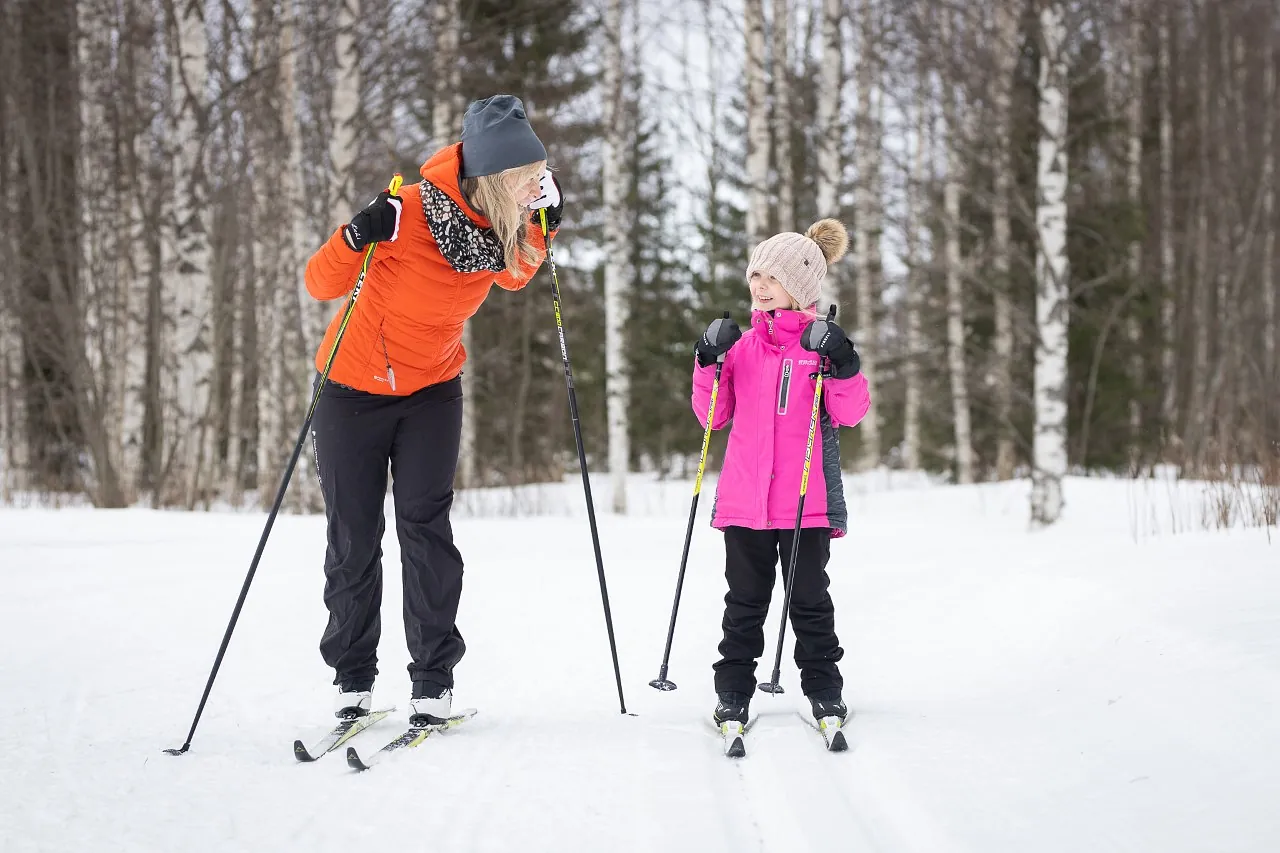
356,436
752,558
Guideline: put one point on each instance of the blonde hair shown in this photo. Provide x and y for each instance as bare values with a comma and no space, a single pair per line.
494,196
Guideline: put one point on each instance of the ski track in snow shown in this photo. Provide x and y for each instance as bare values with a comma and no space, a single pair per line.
1061,691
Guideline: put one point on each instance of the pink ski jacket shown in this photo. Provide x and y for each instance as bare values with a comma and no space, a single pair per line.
766,394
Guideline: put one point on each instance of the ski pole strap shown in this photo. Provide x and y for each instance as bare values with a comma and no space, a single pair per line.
813,428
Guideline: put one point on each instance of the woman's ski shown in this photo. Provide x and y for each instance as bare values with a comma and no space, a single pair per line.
337,736
411,737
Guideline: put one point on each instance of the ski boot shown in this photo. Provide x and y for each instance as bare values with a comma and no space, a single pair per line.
830,712
353,701
430,705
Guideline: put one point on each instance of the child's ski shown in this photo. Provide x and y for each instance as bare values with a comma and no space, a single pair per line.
831,730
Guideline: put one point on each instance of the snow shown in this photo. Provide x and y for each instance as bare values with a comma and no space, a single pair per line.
1110,683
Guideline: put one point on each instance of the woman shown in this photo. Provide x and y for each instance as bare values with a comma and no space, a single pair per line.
394,393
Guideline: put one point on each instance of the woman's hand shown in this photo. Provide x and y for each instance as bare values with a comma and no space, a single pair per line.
379,221
551,199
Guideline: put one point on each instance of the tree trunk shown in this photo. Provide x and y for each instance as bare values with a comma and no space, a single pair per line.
616,284
1052,299
758,188
1007,62
865,242
1136,79
1196,414
302,332
266,132
1168,285
916,277
1270,375
955,294
782,114
830,80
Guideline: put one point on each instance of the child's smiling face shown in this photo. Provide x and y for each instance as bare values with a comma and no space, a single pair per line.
767,293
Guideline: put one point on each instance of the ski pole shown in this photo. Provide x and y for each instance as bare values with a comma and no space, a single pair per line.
773,686
393,188
582,456
662,682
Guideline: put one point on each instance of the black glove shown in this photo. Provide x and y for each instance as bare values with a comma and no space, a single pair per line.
827,339
722,334
379,221
552,199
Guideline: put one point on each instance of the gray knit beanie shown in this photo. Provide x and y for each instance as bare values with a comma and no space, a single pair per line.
496,136
799,261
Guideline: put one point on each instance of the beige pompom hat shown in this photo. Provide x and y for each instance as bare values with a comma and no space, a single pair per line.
799,261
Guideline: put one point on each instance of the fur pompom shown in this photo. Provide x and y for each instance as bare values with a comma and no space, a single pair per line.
831,237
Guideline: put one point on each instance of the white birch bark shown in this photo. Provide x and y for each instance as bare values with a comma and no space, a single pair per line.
343,144
830,81
955,292
133,354
782,113
916,183
265,126
616,285
1136,77
1197,404
865,242
302,329
1270,375
1049,448
1168,294
190,269
758,189
1006,25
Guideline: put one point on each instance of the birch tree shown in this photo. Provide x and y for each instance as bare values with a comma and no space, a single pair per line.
951,237
189,261
865,240
301,332
830,81
1006,48
1168,284
757,124
1049,450
916,267
782,114
1133,162
1270,376
616,284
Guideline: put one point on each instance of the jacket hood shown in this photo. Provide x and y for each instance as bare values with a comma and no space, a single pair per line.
444,171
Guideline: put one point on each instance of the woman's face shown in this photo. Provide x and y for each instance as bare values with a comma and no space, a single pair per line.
527,192
767,293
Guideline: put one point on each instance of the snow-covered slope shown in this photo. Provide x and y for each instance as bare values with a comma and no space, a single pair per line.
1103,685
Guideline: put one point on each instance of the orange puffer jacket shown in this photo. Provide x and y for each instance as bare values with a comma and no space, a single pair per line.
406,330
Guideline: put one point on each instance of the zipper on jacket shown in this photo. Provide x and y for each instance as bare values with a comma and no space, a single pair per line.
391,374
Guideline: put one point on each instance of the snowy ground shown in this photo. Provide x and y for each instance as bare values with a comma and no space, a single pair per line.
1108,685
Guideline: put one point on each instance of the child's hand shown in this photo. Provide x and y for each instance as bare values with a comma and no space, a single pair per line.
827,339
719,337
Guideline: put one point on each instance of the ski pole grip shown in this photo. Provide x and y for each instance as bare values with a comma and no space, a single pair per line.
831,313
394,186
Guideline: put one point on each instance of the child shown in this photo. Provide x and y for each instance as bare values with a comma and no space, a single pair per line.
767,388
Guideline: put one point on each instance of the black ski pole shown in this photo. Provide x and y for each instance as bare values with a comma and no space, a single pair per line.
394,188
582,457
772,686
662,682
